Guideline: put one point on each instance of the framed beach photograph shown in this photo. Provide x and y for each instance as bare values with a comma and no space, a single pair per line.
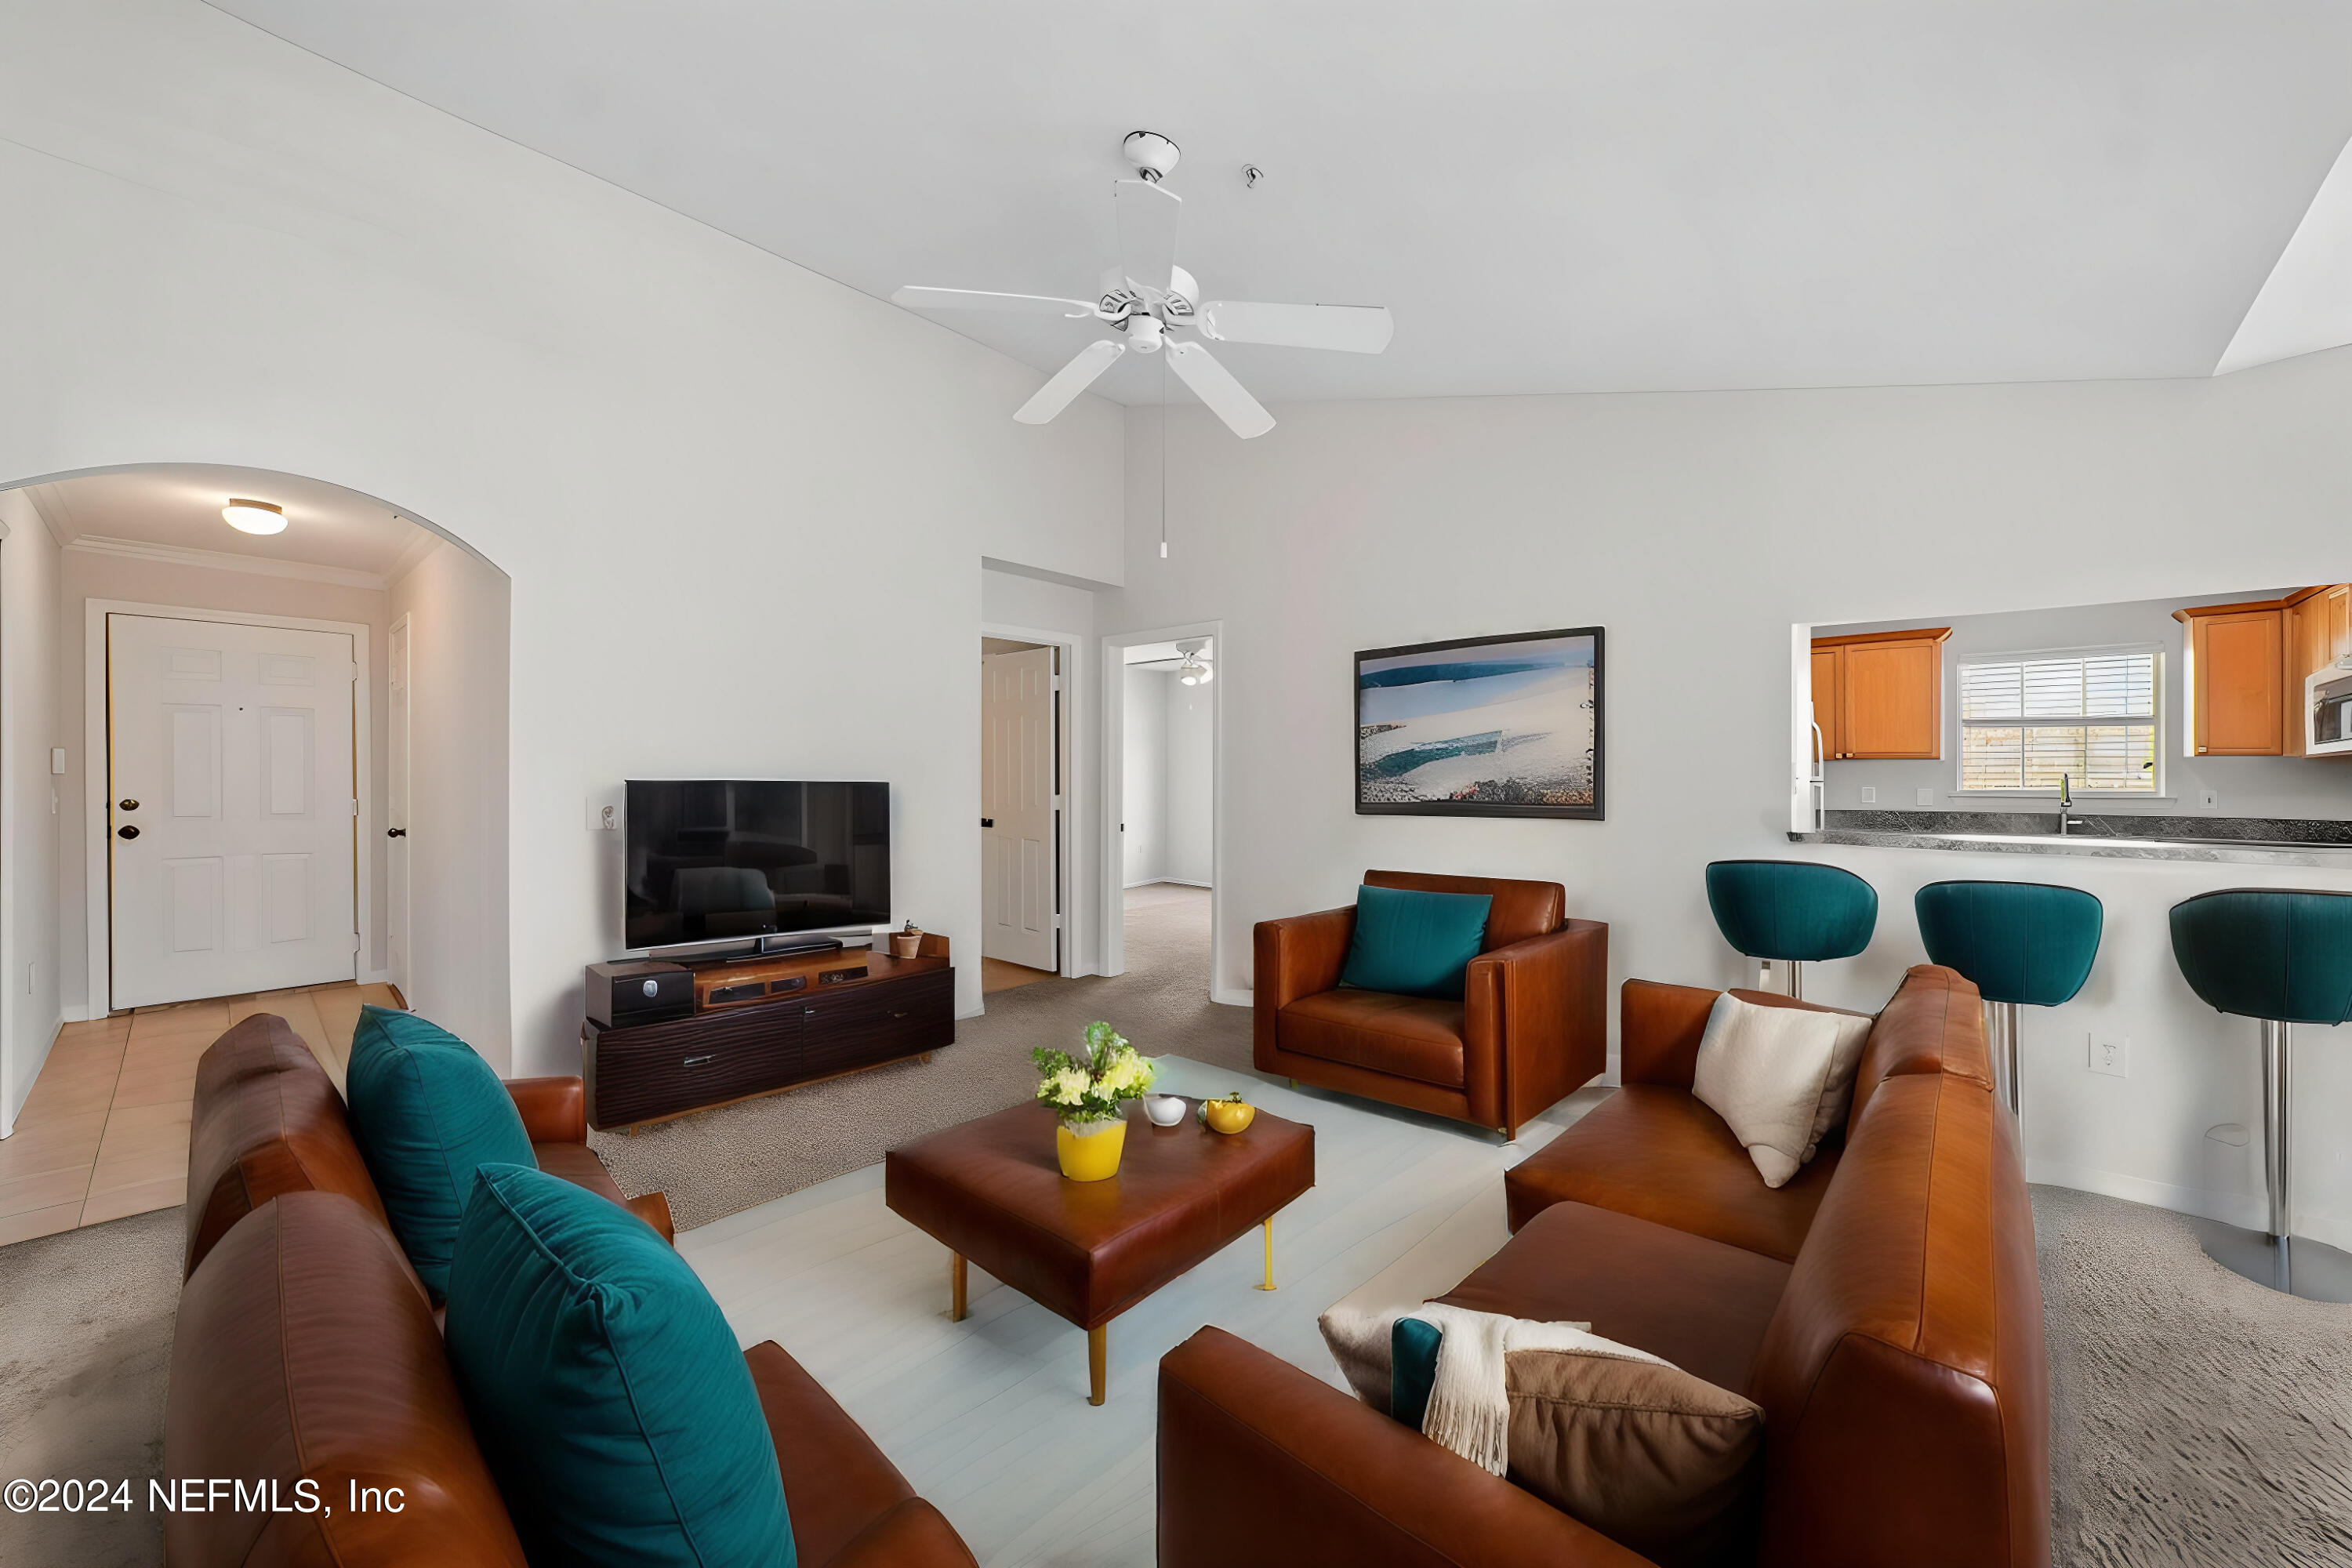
1507,726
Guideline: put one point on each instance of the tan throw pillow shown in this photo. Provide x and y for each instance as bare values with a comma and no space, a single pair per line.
1657,1460
1765,1070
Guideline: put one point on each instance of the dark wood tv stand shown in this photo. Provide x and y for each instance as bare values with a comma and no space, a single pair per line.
763,1025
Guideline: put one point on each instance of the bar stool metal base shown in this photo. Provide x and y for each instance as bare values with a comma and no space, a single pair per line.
2292,1266
1792,986
2001,1038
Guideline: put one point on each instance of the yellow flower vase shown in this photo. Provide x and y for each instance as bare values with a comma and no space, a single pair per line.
1091,1156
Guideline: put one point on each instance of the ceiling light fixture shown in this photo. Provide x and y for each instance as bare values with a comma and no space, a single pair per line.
1194,670
254,517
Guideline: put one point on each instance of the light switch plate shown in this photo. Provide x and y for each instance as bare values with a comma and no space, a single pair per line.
57,759
1869,795
2112,1056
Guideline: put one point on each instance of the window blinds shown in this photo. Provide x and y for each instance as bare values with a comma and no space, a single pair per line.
2025,722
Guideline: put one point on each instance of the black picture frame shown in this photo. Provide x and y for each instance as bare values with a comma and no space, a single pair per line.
1596,811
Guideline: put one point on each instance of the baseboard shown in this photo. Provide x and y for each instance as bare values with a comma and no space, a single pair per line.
375,977
2244,1209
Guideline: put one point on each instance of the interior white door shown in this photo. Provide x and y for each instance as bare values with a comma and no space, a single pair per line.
395,805
231,814
1016,807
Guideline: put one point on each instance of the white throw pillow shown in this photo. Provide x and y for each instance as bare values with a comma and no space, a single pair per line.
1771,1073
1837,1094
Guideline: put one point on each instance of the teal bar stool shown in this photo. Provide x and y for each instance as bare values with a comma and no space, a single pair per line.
2024,943
1791,912
2283,956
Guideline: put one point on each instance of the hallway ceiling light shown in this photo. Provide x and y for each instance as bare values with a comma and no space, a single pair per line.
1193,671
254,516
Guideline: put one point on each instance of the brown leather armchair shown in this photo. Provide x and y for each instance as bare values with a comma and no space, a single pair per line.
1532,1024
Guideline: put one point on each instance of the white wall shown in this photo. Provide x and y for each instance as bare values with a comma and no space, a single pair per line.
28,840
720,484
1698,529
88,574
2245,787
1189,784
1143,806
457,612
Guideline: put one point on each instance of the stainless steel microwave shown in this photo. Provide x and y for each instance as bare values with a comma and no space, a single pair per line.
2328,712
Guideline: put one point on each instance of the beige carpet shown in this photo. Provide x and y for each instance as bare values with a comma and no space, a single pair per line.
85,1351
2198,1419
717,1162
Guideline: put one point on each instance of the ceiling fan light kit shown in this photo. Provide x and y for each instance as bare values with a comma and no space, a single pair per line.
1147,296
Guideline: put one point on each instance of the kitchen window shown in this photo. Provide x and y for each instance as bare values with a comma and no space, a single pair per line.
2089,715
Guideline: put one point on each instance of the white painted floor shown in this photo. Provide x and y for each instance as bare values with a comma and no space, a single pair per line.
988,1417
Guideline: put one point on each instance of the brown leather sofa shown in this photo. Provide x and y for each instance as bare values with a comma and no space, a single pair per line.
306,1352
1882,1309
1531,1027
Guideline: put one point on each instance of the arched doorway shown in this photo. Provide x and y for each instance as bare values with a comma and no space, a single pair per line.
239,771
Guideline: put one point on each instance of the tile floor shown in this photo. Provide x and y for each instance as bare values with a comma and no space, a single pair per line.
105,1131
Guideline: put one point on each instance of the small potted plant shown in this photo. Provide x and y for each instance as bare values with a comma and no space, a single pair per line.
1085,1090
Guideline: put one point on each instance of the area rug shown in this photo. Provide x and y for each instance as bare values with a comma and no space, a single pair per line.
85,1352
2197,1420
717,1162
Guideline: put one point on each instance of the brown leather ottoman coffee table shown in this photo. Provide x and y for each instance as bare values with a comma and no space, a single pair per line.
993,1192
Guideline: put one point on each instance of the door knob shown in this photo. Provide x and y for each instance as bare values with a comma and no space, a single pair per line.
126,833
395,833
988,821
128,804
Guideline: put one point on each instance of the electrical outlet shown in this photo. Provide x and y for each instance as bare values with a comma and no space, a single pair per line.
602,817
2209,800
2112,1056
1926,797
1869,795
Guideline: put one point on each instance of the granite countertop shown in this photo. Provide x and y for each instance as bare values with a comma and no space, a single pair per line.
2241,840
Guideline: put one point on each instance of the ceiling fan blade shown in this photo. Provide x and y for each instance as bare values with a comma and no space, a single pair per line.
922,298
1228,399
1147,231
1356,328
1069,380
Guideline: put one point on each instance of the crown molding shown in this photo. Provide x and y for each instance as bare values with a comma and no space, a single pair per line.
224,560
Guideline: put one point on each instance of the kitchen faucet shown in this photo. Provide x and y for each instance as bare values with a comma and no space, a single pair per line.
2065,802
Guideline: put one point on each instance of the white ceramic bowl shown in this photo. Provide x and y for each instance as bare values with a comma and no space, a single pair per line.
1165,1110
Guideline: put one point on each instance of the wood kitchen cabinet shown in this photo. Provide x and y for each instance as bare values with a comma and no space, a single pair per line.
1829,680
1881,694
2247,665
2238,670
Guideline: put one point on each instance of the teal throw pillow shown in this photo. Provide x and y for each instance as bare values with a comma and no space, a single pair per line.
606,1387
1412,1369
1414,944
426,1111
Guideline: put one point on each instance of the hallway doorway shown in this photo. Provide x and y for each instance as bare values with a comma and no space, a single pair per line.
1166,805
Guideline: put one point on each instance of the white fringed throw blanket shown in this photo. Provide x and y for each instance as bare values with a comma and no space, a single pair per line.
1469,1397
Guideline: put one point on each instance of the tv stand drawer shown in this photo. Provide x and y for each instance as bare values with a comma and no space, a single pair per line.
732,1051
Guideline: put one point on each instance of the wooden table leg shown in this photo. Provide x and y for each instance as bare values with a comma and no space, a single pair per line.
1097,1351
1268,1285
956,1288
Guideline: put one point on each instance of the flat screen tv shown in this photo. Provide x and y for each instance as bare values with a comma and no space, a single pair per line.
732,859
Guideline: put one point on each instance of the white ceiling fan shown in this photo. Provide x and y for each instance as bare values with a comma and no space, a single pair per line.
1148,297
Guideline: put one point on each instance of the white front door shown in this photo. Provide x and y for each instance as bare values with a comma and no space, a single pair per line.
231,816
395,806
1016,807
